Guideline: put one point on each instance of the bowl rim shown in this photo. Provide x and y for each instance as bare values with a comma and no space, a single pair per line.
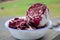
48,26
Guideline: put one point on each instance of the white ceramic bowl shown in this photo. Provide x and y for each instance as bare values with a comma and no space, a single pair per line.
28,34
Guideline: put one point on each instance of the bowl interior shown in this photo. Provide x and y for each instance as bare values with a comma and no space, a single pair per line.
48,26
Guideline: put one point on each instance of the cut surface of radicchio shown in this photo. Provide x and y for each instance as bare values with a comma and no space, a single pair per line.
18,24
33,14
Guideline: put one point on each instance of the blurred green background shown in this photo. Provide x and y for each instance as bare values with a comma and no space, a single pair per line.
19,7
